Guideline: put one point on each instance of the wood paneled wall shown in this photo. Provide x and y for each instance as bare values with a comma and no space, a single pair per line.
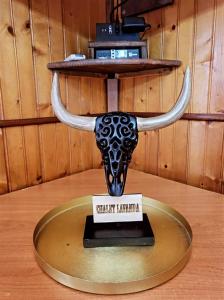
33,33
189,151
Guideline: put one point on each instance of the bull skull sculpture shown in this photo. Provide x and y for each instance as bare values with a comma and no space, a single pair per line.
117,132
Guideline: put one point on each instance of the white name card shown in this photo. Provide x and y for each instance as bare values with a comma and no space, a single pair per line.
107,209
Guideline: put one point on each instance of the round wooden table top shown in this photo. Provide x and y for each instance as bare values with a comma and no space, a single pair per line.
21,278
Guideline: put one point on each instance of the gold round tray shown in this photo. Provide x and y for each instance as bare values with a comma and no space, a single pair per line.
58,242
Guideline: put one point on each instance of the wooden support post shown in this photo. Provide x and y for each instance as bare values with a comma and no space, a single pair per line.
112,94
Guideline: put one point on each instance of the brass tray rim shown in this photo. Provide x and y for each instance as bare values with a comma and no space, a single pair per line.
109,288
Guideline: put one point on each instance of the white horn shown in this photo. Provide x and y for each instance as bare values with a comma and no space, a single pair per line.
174,114
78,122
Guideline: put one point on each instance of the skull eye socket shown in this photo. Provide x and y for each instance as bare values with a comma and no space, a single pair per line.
115,145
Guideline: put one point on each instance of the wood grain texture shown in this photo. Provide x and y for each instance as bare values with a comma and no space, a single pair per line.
23,49
190,31
21,278
3,172
185,36
168,91
10,90
37,32
98,105
154,91
105,66
56,52
34,33
140,104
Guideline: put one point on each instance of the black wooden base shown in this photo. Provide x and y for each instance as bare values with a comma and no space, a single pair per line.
118,233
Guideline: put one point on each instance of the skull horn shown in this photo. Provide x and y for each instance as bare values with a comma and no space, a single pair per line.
78,122
174,114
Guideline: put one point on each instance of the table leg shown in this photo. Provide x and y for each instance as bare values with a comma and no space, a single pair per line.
112,94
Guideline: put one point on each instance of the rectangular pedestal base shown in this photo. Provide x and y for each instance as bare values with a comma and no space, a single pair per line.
118,233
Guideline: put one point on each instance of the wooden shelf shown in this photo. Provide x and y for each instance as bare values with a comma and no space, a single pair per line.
113,68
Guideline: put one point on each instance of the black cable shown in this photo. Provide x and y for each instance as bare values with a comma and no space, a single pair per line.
117,22
116,8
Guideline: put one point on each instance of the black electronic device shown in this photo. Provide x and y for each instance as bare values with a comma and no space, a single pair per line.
108,36
134,25
112,32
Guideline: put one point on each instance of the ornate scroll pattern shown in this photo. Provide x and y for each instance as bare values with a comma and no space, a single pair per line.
116,137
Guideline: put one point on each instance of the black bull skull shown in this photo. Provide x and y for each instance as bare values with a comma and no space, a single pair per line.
117,133
116,137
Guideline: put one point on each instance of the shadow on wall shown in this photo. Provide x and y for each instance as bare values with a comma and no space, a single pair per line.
76,10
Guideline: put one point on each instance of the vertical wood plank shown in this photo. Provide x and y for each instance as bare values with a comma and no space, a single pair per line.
82,9
98,105
85,32
86,137
185,54
213,157
126,101
214,145
98,91
3,170
21,21
166,137
96,15
72,83
3,174
11,99
200,99
140,104
154,90
216,104
196,154
152,151
41,56
75,135
203,50
155,34
56,39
